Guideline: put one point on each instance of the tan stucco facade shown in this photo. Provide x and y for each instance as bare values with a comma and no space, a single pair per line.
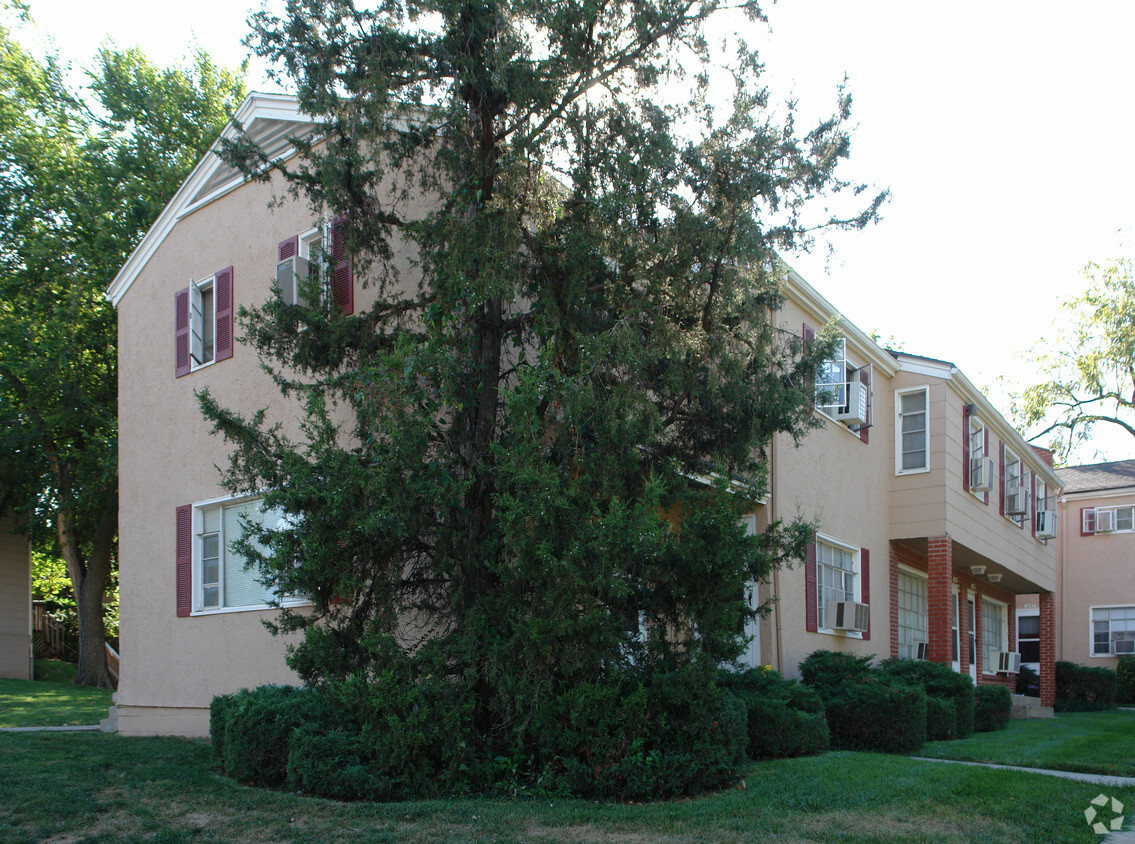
15,603
842,478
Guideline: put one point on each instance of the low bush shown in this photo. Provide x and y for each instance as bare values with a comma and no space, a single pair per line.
992,709
1083,689
831,672
252,729
941,718
1125,680
940,681
878,715
784,718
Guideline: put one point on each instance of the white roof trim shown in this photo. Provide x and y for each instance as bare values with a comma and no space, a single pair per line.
272,116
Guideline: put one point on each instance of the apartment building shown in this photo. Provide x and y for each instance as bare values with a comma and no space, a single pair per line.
928,504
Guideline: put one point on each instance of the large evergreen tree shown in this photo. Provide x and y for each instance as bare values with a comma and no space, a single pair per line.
522,467
79,185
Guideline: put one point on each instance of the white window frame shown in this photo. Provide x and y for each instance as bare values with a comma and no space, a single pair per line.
857,582
976,454
899,395
202,322
1128,608
1029,613
908,648
834,367
1127,510
198,543
317,236
1002,610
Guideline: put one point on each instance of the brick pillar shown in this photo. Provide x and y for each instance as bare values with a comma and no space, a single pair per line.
1047,649
939,594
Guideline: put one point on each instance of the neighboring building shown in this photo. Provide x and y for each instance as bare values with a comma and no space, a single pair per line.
1096,612
15,603
924,494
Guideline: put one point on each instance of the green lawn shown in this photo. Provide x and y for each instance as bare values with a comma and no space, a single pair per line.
1092,742
51,700
93,787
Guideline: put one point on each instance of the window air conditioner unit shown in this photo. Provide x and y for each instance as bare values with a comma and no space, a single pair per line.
855,411
1045,524
1008,662
982,474
290,274
846,615
1124,646
1016,500
1105,520
922,650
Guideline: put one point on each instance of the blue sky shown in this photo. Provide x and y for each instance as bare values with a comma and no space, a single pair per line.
1002,130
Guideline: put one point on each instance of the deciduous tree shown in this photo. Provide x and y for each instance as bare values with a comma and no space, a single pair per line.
79,186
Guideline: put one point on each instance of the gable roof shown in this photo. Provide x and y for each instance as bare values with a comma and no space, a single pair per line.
1098,476
269,120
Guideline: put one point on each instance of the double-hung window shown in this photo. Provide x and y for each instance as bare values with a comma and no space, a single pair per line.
980,469
837,570
843,391
912,430
994,632
1014,490
914,614
831,381
1113,630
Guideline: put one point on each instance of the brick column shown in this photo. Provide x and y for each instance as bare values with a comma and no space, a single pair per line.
939,594
1047,649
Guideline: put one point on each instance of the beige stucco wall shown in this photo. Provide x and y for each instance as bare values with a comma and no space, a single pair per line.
935,503
15,603
841,483
1095,571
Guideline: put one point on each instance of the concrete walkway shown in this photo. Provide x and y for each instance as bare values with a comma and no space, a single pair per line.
88,728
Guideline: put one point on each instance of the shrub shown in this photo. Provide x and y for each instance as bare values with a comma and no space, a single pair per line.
830,672
992,710
1028,682
941,718
784,718
1125,680
942,682
878,715
252,729
1082,689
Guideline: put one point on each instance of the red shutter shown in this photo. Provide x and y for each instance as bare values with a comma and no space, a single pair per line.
342,277
181,365
865,380
288,248
223,291
810,589
184,566
967,458
1087,521
865,585
1001,479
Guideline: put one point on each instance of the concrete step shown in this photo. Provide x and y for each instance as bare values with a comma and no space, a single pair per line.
1029,707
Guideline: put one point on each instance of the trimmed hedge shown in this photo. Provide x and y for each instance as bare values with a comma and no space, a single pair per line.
941,719
866,708
876,715
1083,689
992,710
784,718
942,682
1125,680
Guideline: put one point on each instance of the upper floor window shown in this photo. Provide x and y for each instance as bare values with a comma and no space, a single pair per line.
1113,630
981,467
1044,523
1015,488
1107,520
203,322
320,252
843,390
912,430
